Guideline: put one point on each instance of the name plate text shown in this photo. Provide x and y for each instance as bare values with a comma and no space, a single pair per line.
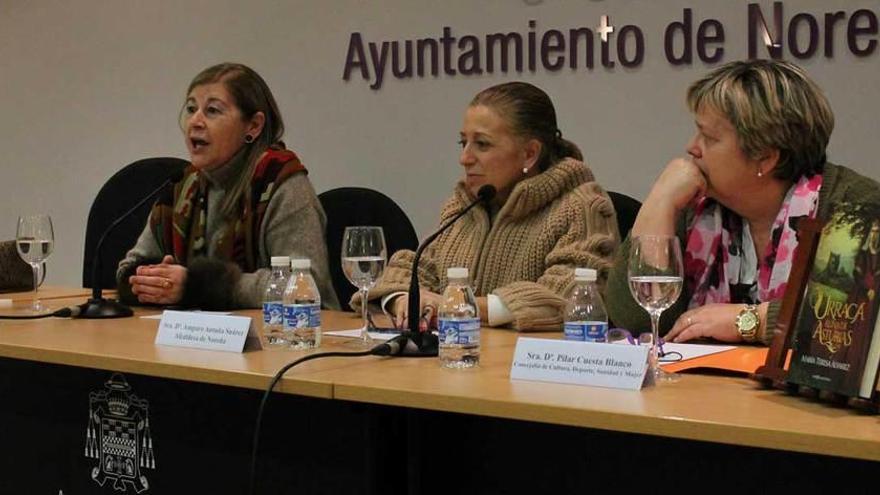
207,331
580,363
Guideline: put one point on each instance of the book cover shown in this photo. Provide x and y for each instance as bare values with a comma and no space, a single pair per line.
835,324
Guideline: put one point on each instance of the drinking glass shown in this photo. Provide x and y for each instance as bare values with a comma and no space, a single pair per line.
34,241
655,278
363,260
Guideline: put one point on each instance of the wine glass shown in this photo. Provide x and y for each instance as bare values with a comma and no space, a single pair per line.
363,260
655,279
34,241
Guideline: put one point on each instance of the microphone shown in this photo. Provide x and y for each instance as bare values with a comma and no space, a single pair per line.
97,306
426,341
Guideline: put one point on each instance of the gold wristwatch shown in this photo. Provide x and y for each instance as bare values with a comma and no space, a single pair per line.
747,322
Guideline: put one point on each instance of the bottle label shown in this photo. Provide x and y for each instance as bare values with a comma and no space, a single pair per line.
302,315
586,331
273,313
459,331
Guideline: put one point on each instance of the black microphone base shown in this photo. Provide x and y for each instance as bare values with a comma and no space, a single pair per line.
104,308
429,345
420,344
409,344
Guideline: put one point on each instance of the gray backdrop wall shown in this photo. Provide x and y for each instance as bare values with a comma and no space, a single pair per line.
89,86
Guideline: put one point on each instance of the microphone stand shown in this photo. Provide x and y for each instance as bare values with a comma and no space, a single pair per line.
427,342
97,306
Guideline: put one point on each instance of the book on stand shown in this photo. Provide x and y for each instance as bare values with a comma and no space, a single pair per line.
835,347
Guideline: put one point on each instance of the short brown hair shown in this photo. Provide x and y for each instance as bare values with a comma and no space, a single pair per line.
251,94
772,105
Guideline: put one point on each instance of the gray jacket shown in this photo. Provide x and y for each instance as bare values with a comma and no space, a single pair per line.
293,225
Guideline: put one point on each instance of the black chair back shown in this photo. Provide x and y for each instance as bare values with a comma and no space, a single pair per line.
627,210
15,274
347,206
119,194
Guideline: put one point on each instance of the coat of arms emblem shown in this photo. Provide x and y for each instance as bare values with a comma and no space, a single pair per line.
118,436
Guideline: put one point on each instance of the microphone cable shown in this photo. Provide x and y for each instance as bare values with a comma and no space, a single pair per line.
59,313
383,349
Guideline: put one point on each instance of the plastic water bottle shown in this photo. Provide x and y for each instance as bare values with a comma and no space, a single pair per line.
585,316
273,303
459,321
302,307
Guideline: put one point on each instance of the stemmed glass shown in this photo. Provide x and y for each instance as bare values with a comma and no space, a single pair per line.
35,240
655,278
363,260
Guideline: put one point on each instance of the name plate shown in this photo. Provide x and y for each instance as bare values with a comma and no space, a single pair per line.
580,363
207,331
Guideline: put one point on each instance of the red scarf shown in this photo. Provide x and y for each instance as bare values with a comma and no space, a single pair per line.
178,219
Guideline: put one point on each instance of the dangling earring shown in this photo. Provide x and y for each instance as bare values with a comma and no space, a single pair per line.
248,138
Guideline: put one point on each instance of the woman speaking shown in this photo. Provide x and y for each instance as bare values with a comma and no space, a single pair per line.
243,199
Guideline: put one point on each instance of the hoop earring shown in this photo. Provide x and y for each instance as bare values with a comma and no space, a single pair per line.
248,139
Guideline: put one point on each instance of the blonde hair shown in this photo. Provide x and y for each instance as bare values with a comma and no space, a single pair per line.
772,105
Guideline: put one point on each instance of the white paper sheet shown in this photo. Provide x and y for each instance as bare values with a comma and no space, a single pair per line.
158,316
356,333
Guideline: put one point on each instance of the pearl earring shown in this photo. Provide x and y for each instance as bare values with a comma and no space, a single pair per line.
525,170
760,173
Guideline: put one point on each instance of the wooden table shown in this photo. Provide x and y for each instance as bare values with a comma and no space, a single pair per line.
705,408
126,345
201,407
48,292
700,414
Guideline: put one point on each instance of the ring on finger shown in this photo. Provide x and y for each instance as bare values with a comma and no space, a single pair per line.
690,321
166,284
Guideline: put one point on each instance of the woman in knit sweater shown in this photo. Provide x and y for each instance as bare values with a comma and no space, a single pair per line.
548,217
756,164
244,199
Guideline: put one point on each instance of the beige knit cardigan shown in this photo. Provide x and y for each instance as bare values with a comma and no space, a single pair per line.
526,255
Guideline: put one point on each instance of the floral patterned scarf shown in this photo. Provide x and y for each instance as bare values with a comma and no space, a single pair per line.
720,262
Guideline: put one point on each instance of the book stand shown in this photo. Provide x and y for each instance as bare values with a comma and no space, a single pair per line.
774,372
